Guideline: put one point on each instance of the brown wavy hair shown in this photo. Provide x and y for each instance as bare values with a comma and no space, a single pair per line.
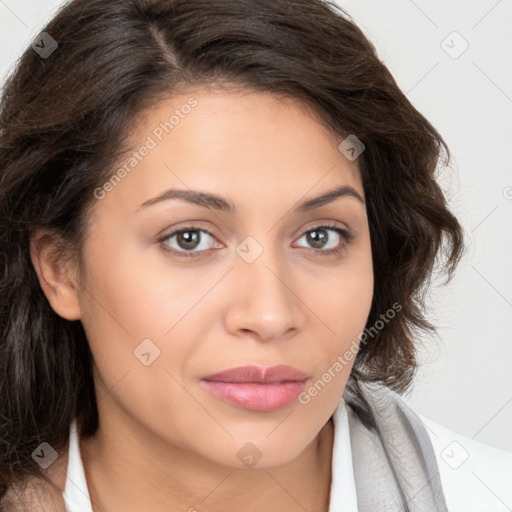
65,122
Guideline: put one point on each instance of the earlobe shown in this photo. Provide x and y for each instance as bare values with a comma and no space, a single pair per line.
55,274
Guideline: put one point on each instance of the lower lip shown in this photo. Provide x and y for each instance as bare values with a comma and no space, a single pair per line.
254,396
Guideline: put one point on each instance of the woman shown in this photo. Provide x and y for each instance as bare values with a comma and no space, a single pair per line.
218,222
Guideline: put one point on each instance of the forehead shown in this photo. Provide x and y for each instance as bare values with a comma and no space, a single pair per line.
240,143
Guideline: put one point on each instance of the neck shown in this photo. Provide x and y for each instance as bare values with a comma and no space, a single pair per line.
128,469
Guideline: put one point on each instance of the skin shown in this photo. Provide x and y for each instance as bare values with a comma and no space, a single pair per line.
163,439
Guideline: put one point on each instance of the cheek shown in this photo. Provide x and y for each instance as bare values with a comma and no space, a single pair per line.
344,297
343,305
344,308
130,310
135,303
348,299
134,291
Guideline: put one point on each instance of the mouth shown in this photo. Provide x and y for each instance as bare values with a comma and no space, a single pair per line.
257,389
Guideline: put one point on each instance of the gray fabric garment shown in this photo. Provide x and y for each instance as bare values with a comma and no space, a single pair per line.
395,468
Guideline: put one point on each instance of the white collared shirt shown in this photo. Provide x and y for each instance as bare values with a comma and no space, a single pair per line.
475,477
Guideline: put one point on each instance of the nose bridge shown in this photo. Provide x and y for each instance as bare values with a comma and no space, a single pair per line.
263,301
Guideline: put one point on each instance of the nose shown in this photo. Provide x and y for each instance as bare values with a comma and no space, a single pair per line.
264,300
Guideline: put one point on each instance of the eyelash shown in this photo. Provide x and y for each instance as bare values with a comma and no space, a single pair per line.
346,235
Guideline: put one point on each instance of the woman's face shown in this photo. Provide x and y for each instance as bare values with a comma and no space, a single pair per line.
262,282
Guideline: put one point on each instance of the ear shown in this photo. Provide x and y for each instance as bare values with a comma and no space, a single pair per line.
57,275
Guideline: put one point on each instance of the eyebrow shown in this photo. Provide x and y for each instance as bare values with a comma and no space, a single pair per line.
216,202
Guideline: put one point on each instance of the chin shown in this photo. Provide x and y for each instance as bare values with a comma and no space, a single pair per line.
257,453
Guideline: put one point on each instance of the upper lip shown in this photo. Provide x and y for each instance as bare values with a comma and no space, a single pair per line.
259,374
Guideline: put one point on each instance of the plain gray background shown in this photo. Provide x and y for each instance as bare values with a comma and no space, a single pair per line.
465,381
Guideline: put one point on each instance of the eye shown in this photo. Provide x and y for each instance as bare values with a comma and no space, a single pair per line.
325,239
329,239
189,242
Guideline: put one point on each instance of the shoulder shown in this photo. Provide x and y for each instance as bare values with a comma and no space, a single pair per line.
475,476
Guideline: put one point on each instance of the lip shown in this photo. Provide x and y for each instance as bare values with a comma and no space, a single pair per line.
255,388
258,374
